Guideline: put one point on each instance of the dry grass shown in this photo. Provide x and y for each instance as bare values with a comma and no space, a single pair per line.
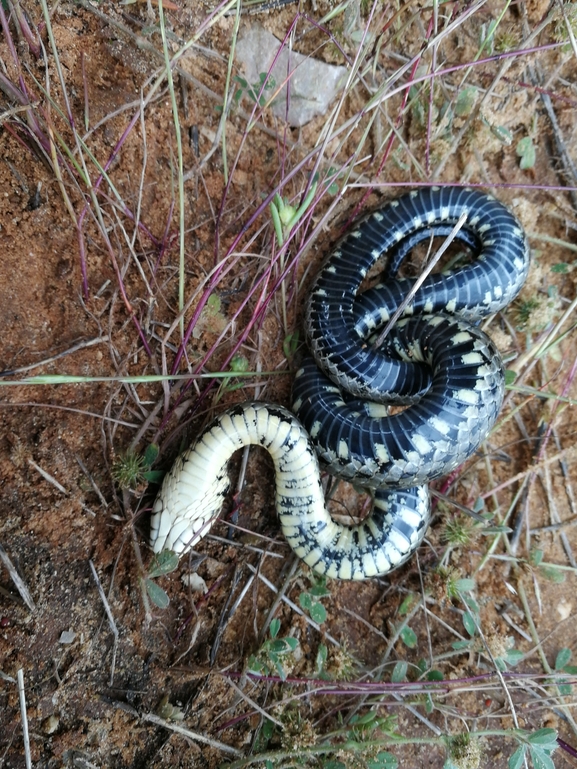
469,654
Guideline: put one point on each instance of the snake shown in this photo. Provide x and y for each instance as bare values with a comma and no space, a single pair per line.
436,362
193,492
338,321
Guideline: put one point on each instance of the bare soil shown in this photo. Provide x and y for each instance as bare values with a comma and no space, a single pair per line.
94,695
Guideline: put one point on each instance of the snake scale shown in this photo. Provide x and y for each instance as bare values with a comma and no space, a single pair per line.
435,361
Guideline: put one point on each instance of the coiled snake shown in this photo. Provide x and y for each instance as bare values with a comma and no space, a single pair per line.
435,359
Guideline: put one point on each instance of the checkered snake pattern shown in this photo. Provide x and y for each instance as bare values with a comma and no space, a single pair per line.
435,361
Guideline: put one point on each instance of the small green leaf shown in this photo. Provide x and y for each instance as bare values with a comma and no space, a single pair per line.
291,345
561,267
318,613
407,605
213,303
151,454
563,658
305,601
319,590
274,627
510,376
514,657
536,556
383,760
503,134
279,668
367,718
156,594
238,362
516,760
399,673
470,603
322,655
496,530
465,101
435,675
526,151
164,562
458,645
287,214
465,585
254,665
541,759
408,637
479,506
153,476
545,738
552,574
469,623
268,729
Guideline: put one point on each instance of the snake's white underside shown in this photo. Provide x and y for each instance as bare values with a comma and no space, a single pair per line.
193,492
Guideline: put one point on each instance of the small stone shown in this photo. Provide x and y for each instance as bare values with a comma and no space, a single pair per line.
195,582
313,83
50,724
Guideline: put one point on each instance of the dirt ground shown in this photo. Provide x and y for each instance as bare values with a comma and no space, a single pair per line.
89,276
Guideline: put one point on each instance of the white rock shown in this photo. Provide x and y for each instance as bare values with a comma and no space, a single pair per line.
313,83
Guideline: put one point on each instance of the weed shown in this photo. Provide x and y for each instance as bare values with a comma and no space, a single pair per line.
524,309
309,600
340,664
446,584
255,91
162,564
286,216
457,531
297,733
565,27
426,87
464,752
169,712
506,40
539,746
131,470
274,655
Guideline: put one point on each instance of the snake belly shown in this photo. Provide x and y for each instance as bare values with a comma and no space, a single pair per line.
193,491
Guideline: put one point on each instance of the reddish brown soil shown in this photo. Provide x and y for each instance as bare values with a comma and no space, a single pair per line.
92,696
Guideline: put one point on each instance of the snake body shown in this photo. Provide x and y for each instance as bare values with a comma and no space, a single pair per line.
356,441
193,492
338,321
442,364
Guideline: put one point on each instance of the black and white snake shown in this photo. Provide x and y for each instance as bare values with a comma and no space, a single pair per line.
435,359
